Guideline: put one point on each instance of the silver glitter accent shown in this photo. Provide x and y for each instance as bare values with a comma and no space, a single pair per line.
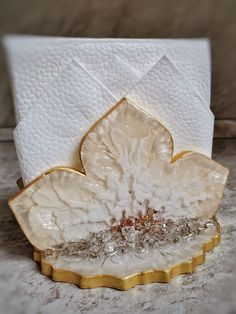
138,237
110,248
209,224
129,233
140,247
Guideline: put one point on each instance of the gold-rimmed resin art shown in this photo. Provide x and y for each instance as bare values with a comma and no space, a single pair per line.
127,170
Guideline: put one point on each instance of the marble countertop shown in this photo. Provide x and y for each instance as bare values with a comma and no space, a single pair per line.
23,290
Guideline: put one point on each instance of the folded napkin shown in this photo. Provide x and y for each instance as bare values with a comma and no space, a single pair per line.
62,86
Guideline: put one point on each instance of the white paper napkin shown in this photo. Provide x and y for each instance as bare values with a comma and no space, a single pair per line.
165,93
35,61
62,86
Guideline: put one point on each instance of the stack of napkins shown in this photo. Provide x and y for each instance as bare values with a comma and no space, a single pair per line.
63,85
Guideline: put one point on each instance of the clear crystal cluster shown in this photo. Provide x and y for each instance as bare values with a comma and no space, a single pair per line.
132,235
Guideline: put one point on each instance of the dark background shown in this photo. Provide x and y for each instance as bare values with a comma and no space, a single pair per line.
215,19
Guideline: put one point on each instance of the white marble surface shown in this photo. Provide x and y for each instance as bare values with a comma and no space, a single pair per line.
23,290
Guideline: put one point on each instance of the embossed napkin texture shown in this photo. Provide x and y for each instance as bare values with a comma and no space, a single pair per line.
61,86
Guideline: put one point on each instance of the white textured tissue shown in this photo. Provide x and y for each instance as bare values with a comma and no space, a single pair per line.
166,94
63,114
35,61
57,99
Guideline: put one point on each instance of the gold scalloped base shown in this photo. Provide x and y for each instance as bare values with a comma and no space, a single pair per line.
128,282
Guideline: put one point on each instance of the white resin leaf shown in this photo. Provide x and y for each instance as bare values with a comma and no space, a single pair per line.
127,161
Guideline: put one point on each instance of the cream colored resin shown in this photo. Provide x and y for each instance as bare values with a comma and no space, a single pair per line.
127,162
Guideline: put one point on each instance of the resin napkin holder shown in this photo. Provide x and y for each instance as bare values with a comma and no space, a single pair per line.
131,214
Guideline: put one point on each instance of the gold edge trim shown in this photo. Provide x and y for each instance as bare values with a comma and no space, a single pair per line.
107,280
80,169
141,278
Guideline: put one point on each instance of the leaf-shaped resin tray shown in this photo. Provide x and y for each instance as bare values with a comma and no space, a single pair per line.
133,214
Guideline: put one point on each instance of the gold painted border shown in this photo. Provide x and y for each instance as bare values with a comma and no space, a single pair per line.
80,168
125,283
